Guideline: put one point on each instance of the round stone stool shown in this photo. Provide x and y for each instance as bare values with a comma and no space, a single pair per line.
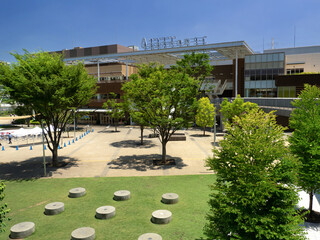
22,230
84,233
150,236
121,195
54,208
105,212
161,216
170,198
77,192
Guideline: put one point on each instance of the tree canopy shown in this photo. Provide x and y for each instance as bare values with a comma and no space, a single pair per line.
166,97
205,113
115,107
196,65
305,139
51,88
235,108
254,195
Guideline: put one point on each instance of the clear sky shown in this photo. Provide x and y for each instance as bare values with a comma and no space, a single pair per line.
63,24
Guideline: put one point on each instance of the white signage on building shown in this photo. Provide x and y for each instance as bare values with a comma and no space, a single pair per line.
171,42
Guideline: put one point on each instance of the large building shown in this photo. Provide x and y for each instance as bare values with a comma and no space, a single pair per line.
281,72
237,68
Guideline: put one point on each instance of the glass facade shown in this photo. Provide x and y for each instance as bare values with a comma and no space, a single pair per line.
288,92
259,73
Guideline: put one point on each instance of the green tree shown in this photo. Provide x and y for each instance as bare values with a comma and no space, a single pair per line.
115,108
141,120
165,97
254,195
205,114
235,108
3,208
43,82
196,65
305,140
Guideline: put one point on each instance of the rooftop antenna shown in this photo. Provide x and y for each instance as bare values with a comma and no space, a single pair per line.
294,36
262,44
272,44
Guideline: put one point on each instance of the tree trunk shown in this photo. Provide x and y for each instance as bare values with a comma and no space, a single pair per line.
310,202
204,131
141,130
164,151
55,155
116,124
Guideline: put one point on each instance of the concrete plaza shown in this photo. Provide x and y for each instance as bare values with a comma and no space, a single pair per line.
105,153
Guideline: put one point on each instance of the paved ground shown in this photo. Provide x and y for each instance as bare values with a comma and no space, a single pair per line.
105,153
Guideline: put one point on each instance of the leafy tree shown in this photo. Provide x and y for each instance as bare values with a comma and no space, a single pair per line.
305,140
165,97
196,65
205,114
235,108
141,120
253,196
43,82
3,208
115,107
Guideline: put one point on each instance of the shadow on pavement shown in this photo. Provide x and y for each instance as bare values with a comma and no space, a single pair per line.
143,162
109,131
31,168
133,144
312,226
200,135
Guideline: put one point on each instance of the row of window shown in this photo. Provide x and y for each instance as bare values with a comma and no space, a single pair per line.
274,71
295,70
267,57
264,65
289,92
262,92
112,78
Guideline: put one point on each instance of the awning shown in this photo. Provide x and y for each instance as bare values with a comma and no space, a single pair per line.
16,117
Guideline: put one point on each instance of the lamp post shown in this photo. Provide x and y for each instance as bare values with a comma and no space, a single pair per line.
43,151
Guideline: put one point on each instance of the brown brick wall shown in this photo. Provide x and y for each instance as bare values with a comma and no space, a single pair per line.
240,76
91,51
298,81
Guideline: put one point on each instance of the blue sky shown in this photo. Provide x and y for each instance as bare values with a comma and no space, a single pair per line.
63,24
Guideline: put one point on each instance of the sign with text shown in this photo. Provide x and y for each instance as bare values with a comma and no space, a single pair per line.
171,42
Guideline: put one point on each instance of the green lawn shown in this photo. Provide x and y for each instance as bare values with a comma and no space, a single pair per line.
27,199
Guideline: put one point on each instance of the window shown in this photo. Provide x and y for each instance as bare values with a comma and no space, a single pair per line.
295,70
288,92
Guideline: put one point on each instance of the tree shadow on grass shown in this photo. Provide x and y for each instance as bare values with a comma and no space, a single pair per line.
32,168
133,144
144,163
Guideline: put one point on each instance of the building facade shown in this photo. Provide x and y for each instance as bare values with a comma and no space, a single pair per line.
237,69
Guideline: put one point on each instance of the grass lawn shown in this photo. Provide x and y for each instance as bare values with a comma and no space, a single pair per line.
27,200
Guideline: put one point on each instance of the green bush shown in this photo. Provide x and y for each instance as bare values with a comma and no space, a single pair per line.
3,208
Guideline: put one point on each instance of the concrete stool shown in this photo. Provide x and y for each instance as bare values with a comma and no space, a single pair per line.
161,216
54,208
170,198
105,212
121,195
77,192
84,233
22,230
150,236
